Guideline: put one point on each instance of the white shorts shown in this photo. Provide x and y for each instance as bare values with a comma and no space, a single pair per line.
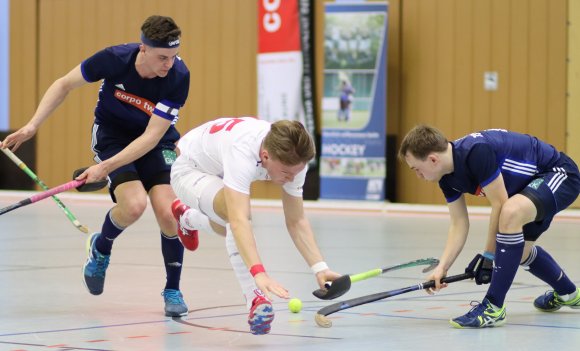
195,188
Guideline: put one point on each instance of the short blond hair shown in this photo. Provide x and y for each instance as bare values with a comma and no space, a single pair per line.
290,143
421,141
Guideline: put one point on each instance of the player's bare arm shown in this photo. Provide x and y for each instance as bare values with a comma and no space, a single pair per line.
53,97
137,148
238,209
303,236
456,237
496,195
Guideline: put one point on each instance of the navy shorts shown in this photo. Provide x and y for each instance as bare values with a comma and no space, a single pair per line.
551,192
151,169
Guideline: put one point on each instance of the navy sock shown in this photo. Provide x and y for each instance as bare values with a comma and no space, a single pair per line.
109,232
173,257
508,253
543,266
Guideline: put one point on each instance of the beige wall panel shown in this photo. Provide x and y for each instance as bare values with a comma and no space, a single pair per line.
500,54
22,61
538,87
462,68
556,67
522,40
573,101
481,49
519,64
219,47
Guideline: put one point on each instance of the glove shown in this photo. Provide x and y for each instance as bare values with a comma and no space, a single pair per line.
482,268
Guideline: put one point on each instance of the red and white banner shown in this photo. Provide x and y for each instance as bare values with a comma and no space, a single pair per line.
279,61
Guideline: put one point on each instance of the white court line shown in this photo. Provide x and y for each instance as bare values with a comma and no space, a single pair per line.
353,207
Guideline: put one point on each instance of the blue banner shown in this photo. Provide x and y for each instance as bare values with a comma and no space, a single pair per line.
353,157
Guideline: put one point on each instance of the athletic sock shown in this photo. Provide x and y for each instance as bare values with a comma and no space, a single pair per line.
109,232
194,219
508,253
172,251
245,279
543,266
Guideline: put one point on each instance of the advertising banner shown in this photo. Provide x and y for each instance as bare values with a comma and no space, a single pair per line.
283,81
353,157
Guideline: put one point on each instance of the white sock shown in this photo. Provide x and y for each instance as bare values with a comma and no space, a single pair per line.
568,297
193,219
245,279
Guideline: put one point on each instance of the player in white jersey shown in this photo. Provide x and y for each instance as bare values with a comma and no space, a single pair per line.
212,176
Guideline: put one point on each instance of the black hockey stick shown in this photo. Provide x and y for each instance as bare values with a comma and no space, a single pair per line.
321,316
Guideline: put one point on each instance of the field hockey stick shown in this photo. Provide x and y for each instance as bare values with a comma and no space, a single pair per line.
321,316
340,286
37,180
80,185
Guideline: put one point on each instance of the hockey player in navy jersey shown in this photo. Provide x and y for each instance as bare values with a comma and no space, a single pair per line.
526,182
143,86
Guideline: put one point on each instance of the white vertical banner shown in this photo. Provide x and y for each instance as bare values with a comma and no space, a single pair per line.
279,61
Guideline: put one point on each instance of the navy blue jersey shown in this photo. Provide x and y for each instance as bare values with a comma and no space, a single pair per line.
126,101
479,158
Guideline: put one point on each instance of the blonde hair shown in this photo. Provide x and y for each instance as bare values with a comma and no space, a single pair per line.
290,143
421,141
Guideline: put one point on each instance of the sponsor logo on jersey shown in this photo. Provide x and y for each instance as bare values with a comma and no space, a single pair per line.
136,101
535,184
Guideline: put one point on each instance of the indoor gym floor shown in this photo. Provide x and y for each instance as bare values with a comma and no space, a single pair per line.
44,305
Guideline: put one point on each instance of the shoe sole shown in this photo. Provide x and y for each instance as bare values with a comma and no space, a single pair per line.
167,314
459,326
264,312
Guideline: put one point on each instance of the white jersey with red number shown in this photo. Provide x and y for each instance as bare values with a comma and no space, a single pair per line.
230,149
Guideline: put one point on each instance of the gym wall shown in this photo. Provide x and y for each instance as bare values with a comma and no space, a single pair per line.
438,53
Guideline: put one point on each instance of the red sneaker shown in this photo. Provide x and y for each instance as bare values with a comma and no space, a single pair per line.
261,315
188,238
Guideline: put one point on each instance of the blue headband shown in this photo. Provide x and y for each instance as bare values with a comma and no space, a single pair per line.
159,44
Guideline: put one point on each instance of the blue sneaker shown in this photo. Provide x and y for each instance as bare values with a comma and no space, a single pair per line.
482,315
261,315
95,268
174,304
550,301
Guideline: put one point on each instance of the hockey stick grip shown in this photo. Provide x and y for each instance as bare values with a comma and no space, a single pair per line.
365,275
59,189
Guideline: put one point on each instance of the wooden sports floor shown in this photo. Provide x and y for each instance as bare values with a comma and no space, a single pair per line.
44,305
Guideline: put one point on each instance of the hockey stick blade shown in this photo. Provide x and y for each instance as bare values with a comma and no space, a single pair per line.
342,285
321,316
88,187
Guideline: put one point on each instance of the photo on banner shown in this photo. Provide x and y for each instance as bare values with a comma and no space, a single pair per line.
353,157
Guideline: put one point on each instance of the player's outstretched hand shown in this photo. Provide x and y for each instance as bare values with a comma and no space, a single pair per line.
14,140
269,286
438,273
326,276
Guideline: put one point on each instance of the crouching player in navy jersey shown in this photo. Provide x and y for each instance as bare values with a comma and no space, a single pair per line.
143,87
527,182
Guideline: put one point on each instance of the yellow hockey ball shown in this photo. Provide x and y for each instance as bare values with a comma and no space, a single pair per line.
295,305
